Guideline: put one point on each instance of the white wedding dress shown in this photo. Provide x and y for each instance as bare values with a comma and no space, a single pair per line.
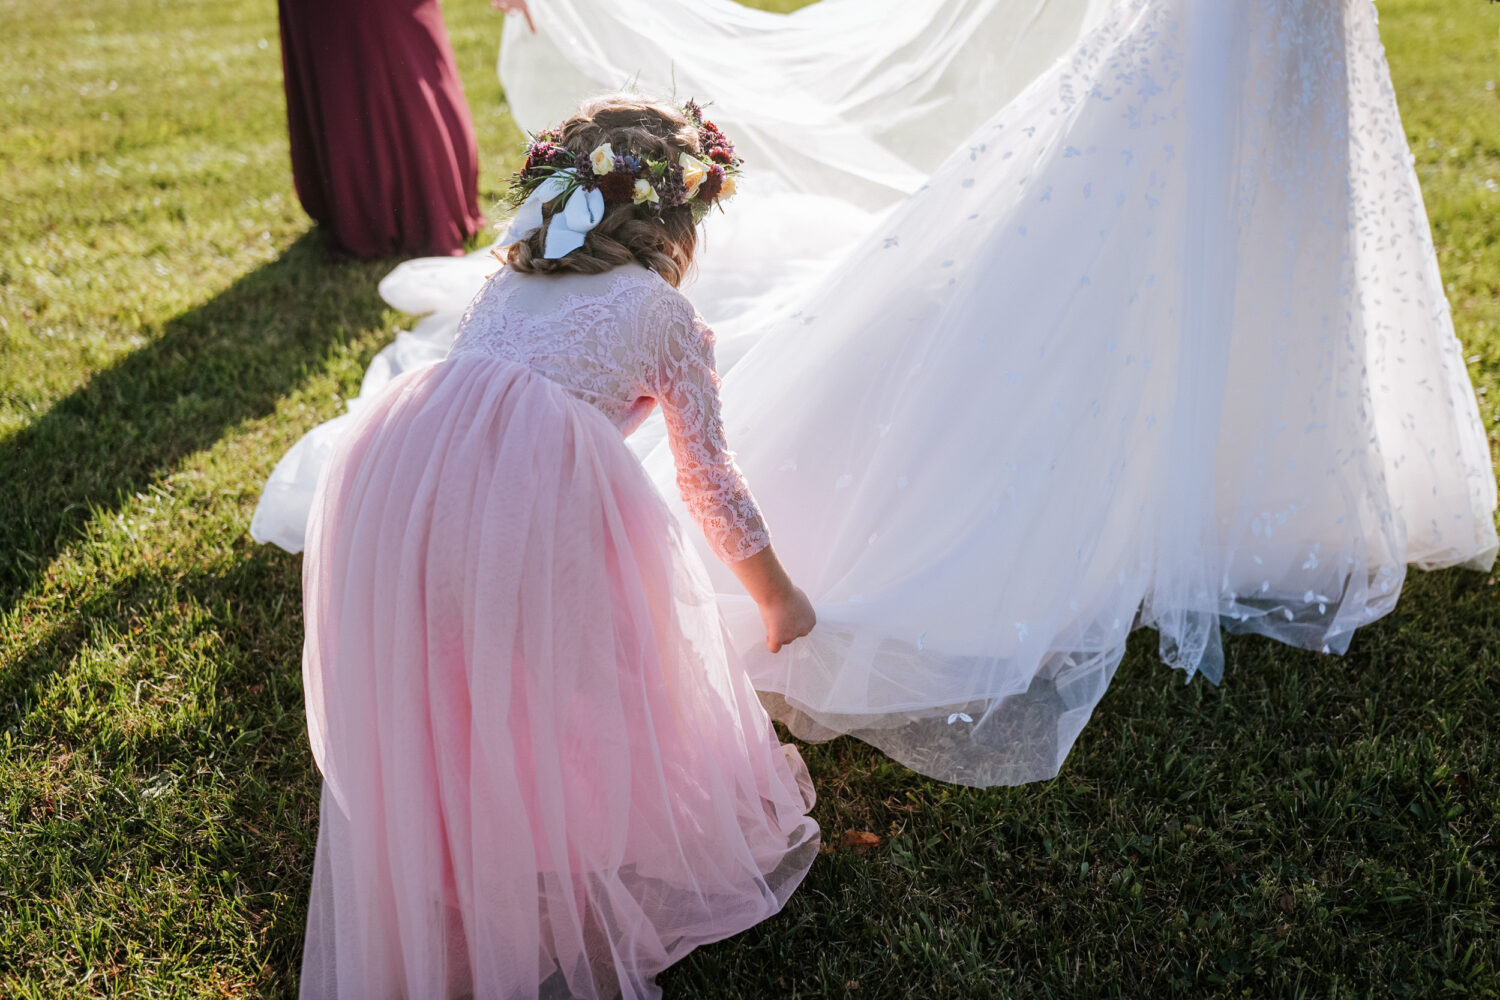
1163,342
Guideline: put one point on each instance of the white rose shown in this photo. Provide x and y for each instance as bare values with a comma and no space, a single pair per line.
603,160
727,190
693,172
644,192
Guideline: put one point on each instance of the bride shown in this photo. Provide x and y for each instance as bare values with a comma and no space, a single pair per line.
1160,340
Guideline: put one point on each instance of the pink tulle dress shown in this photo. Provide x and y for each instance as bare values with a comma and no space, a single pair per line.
544,775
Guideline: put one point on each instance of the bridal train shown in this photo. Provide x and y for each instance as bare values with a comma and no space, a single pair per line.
1161,343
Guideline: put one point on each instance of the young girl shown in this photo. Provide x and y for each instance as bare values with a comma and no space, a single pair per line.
543,774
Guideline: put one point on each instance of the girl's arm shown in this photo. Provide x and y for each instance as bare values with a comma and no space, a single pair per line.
686,385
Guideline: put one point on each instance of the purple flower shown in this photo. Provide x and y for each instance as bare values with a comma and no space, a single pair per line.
672,189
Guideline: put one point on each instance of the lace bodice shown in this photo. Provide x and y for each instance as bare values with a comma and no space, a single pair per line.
624,342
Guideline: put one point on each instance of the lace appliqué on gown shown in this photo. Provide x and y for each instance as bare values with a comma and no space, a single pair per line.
625,342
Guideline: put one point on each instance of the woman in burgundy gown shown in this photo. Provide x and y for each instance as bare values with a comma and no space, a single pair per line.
383,151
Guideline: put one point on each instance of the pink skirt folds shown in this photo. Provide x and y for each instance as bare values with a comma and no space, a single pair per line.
543,774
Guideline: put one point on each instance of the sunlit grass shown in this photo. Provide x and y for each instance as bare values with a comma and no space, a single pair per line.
1317,827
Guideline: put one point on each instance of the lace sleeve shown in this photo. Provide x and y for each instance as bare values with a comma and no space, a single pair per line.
686,386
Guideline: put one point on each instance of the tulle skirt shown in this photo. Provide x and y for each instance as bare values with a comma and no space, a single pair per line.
543,774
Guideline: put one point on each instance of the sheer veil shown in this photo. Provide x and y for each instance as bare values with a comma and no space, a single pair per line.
854,99
1045,320
843,108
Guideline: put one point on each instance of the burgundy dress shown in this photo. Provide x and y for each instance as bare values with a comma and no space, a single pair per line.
383,151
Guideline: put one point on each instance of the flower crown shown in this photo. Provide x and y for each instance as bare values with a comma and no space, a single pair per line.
625,176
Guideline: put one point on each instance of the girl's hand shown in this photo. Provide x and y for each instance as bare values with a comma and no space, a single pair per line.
515,7
788,618
785,609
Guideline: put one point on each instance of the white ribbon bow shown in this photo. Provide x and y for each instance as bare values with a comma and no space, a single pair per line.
565,232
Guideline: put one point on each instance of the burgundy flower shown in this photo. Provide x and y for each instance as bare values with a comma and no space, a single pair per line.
617,186
712,184
541,154
719,154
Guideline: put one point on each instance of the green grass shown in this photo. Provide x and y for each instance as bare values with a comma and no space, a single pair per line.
1317,827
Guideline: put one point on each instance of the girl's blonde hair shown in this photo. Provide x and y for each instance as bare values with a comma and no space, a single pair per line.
664,242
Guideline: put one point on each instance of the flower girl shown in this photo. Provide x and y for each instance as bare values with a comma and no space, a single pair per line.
544,776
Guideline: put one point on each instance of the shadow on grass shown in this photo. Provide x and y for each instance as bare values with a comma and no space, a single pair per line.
212,367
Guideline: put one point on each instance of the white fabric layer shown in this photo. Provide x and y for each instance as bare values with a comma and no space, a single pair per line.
854,99
1163,342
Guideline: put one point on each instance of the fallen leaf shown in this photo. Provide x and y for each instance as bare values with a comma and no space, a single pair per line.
859,840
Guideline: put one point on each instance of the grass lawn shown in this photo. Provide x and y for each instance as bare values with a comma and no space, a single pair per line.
1317,827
